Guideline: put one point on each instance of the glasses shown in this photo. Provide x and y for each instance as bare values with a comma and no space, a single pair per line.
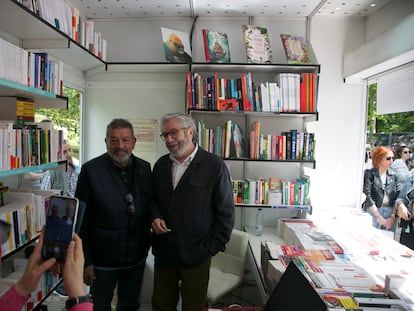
406,151
173,133
389,158
129,198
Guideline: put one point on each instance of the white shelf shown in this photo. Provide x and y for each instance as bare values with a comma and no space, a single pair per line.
35,33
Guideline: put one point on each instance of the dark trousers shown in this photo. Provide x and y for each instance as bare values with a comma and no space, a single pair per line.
193,287
407,233
129,283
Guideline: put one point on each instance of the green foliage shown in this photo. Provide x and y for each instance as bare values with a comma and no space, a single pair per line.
386,123
65,118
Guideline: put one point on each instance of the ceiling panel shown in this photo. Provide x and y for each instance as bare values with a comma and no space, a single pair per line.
120,9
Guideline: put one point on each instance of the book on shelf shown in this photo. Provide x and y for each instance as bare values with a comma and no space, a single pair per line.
291,92
216,46
176,45
238,140
257,43
295,49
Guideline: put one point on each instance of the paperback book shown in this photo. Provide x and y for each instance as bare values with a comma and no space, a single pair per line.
257,42
295,49
216,46
176,45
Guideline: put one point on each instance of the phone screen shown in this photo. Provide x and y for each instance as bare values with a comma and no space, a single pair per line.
60,223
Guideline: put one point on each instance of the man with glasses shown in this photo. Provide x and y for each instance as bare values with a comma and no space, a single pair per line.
116,187
192,216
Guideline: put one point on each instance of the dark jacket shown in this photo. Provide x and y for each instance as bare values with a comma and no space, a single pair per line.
406,195
199,212
111,236
374,189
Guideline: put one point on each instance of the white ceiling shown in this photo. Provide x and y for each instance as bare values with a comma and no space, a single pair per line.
120,9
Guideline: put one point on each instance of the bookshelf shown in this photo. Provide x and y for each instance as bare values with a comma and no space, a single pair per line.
275,122
42,99
22,27
35,33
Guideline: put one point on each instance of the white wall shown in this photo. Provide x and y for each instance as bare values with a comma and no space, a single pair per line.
145,94
340,131
339,149
138,94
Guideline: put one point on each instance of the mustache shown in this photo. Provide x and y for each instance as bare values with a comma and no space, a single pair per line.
120,149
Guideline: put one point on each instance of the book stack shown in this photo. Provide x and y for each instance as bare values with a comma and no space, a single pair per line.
346,275
29,144
291,145
25,111
253,192
67,19
291,92
226,141
46,283
13,63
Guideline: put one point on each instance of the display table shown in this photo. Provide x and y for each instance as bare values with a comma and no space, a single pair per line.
269,234
371,254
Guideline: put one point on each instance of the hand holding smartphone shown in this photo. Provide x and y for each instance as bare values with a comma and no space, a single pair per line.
60,224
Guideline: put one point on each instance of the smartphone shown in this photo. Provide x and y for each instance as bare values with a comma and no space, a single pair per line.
61,216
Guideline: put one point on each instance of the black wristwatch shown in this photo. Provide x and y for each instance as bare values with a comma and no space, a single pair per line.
73,301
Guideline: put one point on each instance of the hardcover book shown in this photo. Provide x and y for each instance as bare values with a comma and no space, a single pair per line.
295,49
257,42
176,45
216,46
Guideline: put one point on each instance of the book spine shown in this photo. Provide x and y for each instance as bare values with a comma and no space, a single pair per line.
205,40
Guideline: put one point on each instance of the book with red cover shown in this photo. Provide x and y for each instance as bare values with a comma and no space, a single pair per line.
216,46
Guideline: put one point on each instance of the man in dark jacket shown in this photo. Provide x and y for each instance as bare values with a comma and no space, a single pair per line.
116,188
193,216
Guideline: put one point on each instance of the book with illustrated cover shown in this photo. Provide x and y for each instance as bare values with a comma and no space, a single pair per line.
257,42
295,49
238,139
216,46
176,45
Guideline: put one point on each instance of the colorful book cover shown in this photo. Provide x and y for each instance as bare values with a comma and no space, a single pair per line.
176,45
216,46
257,42
295,49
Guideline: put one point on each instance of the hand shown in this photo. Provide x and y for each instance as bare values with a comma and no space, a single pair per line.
403,212
389,222
89,275
159,227
73,268
381,220
34,269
